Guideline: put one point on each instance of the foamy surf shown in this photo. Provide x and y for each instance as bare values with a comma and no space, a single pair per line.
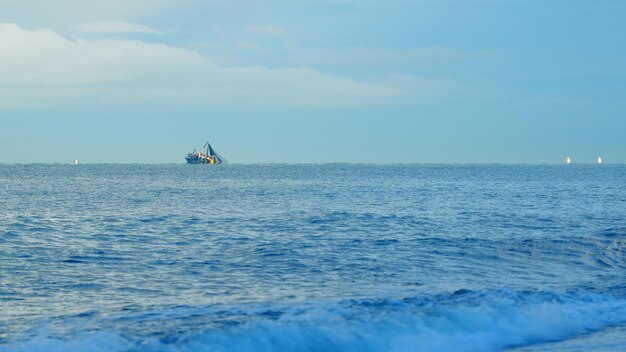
612,339
463,321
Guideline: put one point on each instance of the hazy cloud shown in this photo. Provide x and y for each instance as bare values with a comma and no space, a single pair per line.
374,56
113,28
42,67
268,30
63,12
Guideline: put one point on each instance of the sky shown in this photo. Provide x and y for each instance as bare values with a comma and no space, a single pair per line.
303,81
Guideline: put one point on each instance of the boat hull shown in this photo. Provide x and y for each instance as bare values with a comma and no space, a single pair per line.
194,160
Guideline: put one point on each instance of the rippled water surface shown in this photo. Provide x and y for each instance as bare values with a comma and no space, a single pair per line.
312,258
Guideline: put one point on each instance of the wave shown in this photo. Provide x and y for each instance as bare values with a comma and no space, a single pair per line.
462,321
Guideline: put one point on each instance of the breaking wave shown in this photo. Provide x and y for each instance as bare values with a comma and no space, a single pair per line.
462,321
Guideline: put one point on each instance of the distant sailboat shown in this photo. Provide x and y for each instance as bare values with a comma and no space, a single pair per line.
599,160
206,155
568,160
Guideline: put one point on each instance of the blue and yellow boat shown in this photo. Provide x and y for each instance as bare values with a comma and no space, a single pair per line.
206,155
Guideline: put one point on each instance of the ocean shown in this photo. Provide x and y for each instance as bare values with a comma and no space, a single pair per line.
334,257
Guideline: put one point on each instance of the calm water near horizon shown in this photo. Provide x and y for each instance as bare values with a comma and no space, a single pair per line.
334,257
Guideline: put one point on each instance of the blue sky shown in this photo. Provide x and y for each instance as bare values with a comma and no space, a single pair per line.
424,81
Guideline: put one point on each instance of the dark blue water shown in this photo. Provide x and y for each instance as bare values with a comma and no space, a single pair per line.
312,258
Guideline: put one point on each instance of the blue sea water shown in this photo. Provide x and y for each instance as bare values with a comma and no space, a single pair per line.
312,258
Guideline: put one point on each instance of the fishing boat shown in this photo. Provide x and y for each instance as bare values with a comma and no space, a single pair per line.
206,155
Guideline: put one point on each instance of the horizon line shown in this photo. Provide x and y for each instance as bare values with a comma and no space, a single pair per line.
319,163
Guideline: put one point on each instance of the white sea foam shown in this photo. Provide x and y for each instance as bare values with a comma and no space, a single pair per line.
474,321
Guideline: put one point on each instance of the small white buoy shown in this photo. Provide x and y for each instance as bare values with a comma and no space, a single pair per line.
568,160
599,160
75,161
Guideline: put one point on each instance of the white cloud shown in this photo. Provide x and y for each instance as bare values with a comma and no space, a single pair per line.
42,67
45,58
267,30
113,28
